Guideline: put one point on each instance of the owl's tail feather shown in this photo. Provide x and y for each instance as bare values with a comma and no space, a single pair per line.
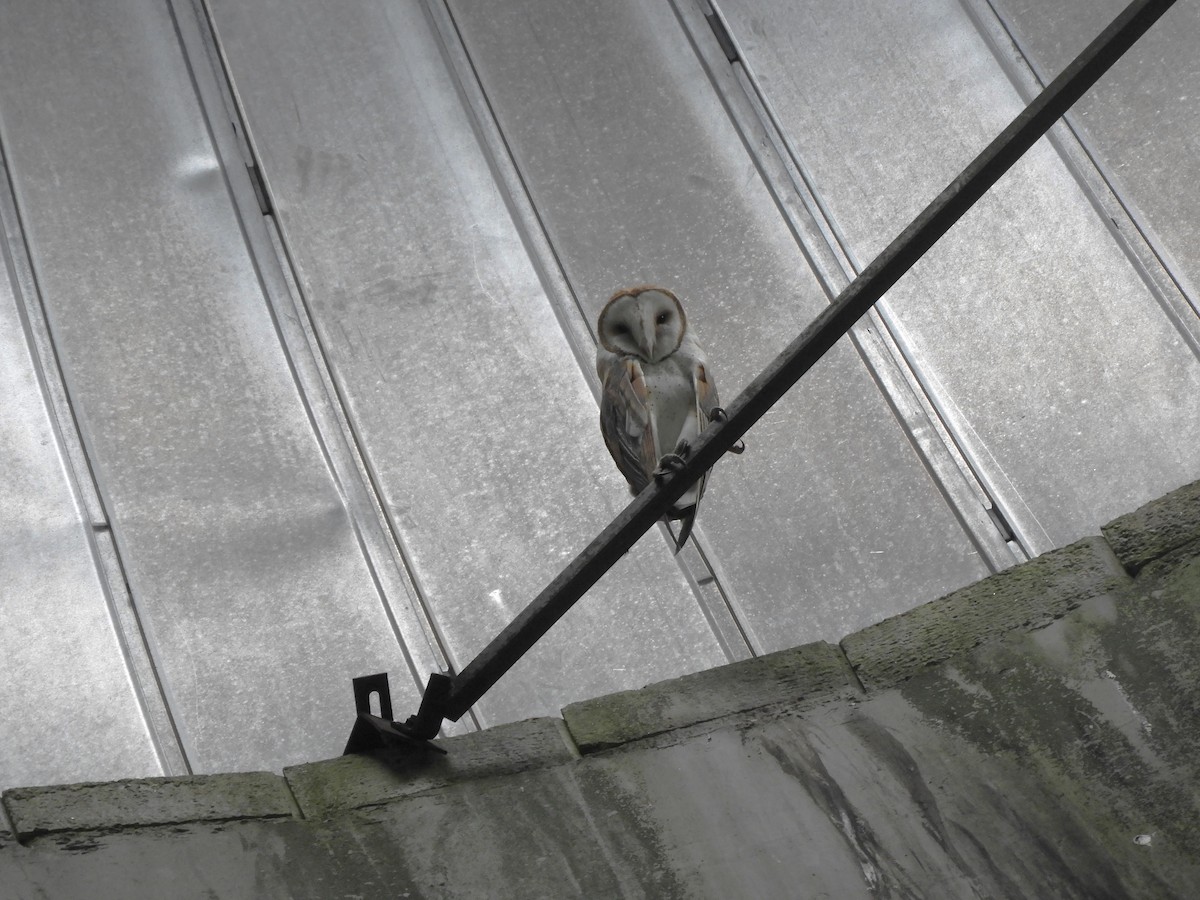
686,517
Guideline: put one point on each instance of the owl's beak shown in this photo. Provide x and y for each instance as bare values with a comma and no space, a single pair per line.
648,333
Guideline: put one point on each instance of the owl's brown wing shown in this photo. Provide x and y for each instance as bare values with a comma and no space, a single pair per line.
625,421
706,393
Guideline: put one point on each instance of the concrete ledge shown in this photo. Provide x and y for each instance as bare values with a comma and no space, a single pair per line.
1047,750
347,782
1026,596
149,801
1157,528
813,672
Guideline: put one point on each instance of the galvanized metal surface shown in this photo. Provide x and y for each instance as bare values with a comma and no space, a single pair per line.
61,657
1140,122
662,191
248,580
376,466
701,572
1124,220
393,581
475,419
1028,326
802,211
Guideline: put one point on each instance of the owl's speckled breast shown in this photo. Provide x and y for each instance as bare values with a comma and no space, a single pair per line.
673,401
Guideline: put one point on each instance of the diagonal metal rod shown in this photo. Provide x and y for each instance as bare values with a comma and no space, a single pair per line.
450,697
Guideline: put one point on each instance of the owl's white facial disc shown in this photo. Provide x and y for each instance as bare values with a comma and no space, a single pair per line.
648,323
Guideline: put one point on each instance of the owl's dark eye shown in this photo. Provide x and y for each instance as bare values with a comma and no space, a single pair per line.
663,318
620,329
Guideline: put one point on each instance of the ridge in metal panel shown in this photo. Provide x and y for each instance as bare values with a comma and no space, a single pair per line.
829,521
406,615
812,231
699,568
248,580
474,418
1139,122
60,653
1036,338
1123,219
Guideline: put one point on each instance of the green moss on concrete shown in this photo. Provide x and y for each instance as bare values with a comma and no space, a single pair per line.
1167,566
1153,649
566,831
1156,528
1021,819
148,801
813,673
353,781
1102,704
1182,584
1025,596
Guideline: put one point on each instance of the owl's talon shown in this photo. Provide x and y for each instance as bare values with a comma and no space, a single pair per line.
718,415
670,463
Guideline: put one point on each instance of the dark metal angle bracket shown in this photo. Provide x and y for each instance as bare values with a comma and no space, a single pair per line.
372,732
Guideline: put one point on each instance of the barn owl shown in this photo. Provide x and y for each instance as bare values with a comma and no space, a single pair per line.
658,393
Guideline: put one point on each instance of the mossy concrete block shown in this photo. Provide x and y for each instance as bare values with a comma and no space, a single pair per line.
361,780
115,805
806,674
1026,596
1103,705
1157,528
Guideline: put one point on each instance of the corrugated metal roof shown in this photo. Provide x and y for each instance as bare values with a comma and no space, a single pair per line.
248,457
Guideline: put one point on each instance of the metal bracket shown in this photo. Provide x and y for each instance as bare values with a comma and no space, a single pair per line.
372,732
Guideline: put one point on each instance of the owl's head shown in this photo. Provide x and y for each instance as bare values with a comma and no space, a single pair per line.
646,322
